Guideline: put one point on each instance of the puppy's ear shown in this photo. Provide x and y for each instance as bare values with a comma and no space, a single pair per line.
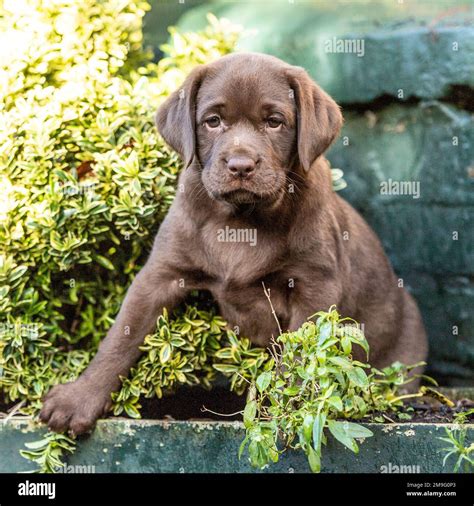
319,118
176,117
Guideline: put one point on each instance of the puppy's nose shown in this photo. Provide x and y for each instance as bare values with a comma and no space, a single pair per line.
241,166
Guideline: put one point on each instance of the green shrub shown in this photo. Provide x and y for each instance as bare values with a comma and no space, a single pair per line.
84,178
189,349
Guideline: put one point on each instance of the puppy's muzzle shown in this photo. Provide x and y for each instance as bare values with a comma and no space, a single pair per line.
241,167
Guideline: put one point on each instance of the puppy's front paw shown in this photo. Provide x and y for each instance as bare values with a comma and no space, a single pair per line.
73,406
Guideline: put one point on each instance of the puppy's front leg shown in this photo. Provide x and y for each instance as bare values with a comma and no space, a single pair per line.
305,303
77,405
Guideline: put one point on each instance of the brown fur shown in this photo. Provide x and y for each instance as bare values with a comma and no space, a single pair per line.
313,249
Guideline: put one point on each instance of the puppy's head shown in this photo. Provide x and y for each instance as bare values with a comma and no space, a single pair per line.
246,119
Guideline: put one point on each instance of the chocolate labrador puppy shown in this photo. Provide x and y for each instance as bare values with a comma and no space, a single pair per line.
254,204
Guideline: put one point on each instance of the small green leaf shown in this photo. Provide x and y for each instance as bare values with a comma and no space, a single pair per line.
35,445
226,368
307,427
242,447
165,353
105,262
291,390
249,413
263,381
314,460
340,431
335,402
102,120
132,411
357,431
358,376
325,331
346,345
342,362
318,428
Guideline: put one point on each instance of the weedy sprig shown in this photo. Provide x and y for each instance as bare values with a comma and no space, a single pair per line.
314,389
458,448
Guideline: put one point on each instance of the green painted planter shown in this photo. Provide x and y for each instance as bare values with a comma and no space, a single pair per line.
121,445
157,446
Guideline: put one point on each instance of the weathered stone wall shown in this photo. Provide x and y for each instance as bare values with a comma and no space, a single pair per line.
405,81
427,233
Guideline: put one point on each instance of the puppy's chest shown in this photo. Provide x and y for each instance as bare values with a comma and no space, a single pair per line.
239,255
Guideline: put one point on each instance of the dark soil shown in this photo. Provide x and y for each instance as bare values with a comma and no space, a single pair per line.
435,412
188,404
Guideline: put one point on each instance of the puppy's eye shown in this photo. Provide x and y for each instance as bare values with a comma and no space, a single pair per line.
213,122
274,123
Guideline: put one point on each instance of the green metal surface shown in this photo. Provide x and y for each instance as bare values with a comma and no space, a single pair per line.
120,445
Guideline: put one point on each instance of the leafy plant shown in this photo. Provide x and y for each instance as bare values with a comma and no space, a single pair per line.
464,416
189,349
458,448
315,388
47,453
84,178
